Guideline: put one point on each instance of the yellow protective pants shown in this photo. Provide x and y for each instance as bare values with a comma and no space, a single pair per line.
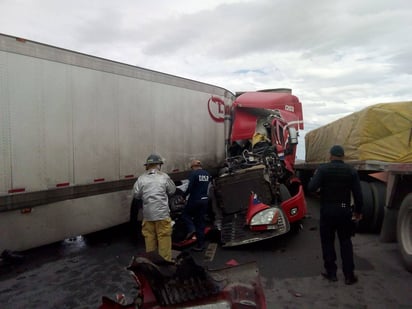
158,236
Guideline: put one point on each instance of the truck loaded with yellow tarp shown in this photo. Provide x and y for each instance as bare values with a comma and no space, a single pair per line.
381,132
378,143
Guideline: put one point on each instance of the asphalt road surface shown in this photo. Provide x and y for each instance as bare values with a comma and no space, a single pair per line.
76,273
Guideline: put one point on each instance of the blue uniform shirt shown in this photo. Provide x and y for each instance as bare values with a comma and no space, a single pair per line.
198,185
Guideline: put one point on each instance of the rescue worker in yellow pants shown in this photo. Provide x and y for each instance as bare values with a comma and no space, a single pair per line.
158,236
153,187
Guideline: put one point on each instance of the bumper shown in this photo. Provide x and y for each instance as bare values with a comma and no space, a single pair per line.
234,232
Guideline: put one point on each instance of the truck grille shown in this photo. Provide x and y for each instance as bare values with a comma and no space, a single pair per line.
175,284
172,291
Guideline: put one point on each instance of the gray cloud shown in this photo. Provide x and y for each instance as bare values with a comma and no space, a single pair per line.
337,56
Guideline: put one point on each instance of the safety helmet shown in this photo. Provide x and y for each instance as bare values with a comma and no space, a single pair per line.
153,159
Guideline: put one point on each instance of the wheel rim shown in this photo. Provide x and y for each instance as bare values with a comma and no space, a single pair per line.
406,232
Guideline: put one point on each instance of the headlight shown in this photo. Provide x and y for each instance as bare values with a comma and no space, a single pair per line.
267,216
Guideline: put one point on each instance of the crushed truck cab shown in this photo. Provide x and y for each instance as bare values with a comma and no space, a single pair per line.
257,195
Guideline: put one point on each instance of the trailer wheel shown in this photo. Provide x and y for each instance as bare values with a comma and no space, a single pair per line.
304,177
284,193
134,222
404,231
367,210
379,196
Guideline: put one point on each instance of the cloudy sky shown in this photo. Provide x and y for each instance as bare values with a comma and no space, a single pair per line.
337,56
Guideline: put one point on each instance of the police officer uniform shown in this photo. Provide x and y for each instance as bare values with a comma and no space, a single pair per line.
336,181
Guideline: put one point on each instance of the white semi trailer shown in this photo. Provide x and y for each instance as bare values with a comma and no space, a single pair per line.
75,131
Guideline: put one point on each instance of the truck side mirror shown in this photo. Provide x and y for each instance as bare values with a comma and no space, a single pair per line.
293,136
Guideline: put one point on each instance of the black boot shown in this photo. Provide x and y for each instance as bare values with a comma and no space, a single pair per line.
329,276
350,279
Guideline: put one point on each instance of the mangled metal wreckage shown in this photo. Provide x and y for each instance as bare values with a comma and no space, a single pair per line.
185,284
257,195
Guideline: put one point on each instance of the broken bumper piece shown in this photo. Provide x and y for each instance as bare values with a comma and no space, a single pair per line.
234,232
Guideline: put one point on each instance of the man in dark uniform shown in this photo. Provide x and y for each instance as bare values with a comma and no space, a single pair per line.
336,181
196,207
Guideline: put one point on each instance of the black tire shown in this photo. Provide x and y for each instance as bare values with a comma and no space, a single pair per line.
135,224
284,193
379,197
367,210
296,227
304,177
404,231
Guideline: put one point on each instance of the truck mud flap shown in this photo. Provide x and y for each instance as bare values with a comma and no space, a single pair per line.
234,232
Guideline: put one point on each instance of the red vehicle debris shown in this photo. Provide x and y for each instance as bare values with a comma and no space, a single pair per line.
185,284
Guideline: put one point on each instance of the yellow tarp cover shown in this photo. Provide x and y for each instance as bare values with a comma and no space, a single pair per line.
381,132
